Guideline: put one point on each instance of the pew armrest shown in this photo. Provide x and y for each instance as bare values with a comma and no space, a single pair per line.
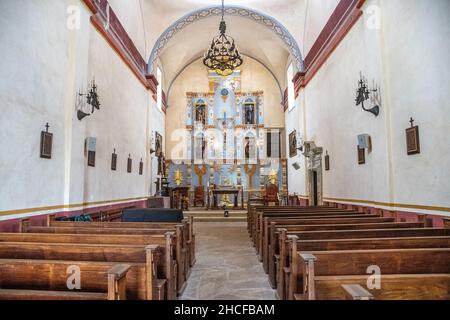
117,282
119,271
356,292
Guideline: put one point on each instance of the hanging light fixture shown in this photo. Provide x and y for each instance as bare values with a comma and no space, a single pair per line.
223,56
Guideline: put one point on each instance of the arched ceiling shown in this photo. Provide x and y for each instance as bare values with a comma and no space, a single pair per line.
252,39
257,35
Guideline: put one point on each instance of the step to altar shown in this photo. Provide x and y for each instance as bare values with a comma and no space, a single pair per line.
216,215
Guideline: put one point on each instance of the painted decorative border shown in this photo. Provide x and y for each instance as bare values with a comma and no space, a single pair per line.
238,11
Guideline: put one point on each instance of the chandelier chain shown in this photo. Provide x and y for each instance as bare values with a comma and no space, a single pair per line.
223,55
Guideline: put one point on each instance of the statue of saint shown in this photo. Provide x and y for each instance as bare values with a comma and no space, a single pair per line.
161,164
249,114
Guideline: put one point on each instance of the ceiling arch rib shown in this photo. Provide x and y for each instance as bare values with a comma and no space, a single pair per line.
269,23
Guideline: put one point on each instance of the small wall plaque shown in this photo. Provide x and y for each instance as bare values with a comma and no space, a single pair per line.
141,168
46,143
327,162
412,139
91,158
129,164
361,155
114,161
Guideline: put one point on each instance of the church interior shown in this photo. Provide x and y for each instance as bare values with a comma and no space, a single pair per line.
225,150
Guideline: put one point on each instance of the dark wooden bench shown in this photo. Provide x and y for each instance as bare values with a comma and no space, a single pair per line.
292,243
167,265
180,253
129,254
275,246
265,235
47,280
317,275
184,230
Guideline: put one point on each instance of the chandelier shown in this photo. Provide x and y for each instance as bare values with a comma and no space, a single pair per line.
223,56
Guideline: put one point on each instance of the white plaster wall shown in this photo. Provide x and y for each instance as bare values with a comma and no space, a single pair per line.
408,57
195,79
42,67
132,15
316,14
33,67
295,121
417,55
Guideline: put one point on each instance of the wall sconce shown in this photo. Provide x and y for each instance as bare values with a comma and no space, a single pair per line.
152,143
364,93
91,98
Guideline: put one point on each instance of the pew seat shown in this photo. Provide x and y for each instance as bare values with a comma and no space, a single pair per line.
16,294
393,287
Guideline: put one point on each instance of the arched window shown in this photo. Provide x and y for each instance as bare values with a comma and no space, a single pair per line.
291,88
159,91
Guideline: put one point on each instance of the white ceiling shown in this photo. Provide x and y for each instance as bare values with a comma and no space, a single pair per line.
252,38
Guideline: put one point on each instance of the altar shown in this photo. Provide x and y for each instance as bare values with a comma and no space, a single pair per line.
225,192
227,154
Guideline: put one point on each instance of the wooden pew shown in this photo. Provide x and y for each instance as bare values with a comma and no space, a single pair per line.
317,274
265,221
254,213
393,287
318,220
275,244
184,230
292,244
130,254
165,242
257,215
356,292
47,280
179,254
109,215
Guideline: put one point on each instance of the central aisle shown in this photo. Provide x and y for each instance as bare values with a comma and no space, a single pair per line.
227,267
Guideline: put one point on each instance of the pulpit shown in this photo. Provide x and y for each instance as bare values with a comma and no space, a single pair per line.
180,198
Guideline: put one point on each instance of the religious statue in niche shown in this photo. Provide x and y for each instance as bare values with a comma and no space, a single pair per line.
158,144
247,148
203,148
250,148
293,144
161,164
249,112
200,113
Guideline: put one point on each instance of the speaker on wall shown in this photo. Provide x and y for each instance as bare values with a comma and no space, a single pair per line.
365,142
296,166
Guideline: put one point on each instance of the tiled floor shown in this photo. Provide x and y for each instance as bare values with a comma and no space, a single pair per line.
227,267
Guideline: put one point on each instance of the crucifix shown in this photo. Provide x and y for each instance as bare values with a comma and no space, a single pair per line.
224,124
46,127
412,122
